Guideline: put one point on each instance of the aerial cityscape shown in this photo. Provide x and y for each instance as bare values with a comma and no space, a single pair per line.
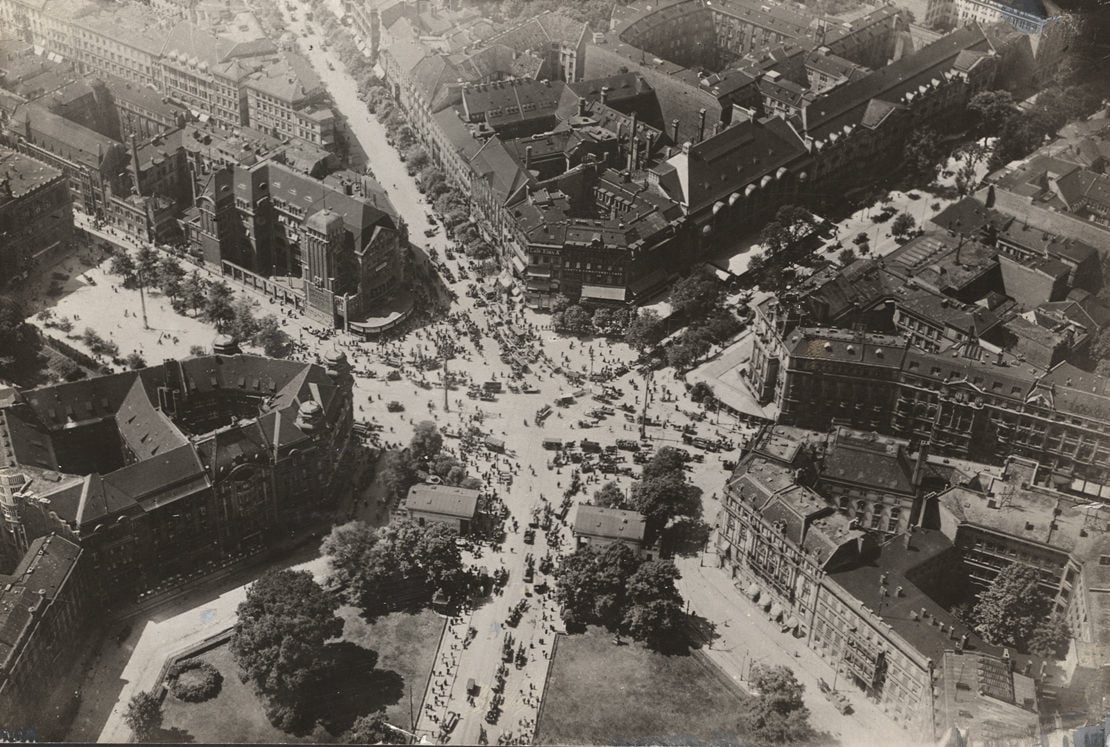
595,372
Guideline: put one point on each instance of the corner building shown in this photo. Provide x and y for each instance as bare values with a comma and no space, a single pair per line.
184,466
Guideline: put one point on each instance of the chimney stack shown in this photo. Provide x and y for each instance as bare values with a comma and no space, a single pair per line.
718,127
581,107
605,95
674,131
528,158
701,124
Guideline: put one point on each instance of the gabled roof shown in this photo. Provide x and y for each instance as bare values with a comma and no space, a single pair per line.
444,500
609,523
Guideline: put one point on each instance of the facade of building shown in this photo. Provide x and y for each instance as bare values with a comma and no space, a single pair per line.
158,472
271,220
856,595
45,607
36,213
598,527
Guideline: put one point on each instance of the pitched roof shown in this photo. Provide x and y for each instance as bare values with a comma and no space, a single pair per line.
444,500
610,523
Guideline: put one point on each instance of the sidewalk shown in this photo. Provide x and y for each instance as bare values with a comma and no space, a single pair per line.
747,637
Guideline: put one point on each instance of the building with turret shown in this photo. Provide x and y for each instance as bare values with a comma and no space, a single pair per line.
182,466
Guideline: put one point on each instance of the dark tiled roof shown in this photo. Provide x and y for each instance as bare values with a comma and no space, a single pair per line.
848,104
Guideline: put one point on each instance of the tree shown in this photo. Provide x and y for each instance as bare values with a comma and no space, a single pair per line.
271,337
667,462
218,308
170,276
1009,610
610,495
426,440
194,292
992,109
643,330
195,350
696,294
777,715
396,472
846,257
576,319
591,585
921,153
144,715
147,261
701,392
279,642
663,498
603,318
903,225
242,325
1050,638
369,729
123,265
135,361
20,342
655,610
791,224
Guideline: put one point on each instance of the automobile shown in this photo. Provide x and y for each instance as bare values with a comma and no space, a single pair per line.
529,536
530,389
450,722
431,218
395,406
431,232
627,444
529,575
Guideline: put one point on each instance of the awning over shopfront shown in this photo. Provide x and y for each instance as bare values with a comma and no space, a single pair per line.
765,602
792,623
776,611
518,266
603,292
753,591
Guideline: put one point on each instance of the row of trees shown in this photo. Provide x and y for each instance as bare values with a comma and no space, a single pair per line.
213,302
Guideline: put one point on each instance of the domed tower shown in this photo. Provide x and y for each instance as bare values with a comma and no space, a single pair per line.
225,345
310,417
339,368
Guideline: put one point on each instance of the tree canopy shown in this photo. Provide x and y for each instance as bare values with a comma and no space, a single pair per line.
791,224
1010,611
399,566
778,714
144,715
284,624
696,294
610,495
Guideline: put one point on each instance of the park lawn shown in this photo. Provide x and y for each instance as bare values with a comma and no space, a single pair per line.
599,693
379,663
234,716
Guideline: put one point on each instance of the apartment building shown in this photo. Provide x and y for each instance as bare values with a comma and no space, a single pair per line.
36,213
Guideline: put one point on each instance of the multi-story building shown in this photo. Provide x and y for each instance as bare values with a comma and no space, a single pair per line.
45,606
560,42
36,213
286,99
592,233
269,219
984,407
162,471
95,166
859,599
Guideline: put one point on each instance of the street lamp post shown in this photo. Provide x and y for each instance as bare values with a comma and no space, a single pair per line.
142,296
